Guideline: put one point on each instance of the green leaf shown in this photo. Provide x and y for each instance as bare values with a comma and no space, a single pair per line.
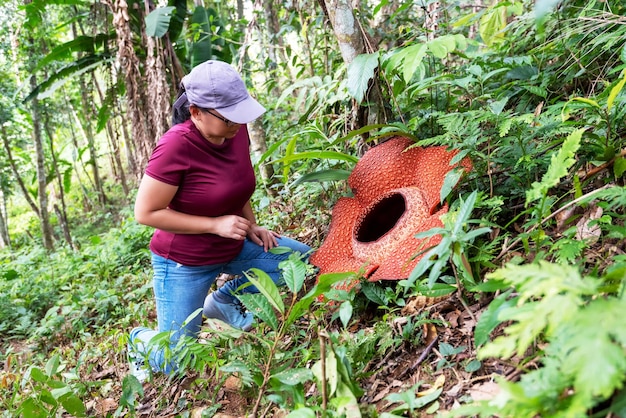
543,7
345,313
52,365
488,320
464,213
374,293
441,46
294,376
497,106
84,44
131,389
559,166
437,289
298,309
448,350
360,72
410,401
322,176
619,166
37,375
302,413
33,409
492,24
61,391
346,402
317,155
260,307
294,274
263,282
241,368
413,56
332,375
158,21
615,91
473,366
548,294
449,182
74,69
73,405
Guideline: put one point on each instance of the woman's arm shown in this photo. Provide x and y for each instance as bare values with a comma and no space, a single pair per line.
153,198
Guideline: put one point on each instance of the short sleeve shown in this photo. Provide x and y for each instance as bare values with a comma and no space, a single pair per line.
170,159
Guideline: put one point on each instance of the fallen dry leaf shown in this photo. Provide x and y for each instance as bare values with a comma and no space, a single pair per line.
441,379
484,391
587,232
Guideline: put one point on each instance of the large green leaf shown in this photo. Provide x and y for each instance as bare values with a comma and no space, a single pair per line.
260,307
323,155
322,176
56,80
267,287
492,24
294,273
158,21
178,19
84,44
413,56
360,72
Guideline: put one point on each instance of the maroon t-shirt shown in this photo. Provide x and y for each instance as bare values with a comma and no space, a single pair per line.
212,180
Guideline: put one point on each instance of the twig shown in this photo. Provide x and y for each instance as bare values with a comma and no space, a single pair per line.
425,353
604,166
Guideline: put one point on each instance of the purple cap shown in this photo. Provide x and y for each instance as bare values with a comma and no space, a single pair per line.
216,85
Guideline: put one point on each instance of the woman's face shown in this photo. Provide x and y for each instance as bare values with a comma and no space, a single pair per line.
213,126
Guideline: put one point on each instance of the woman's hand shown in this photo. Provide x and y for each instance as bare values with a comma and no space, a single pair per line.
232,226
263,236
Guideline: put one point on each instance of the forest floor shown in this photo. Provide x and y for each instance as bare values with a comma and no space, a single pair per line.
398,370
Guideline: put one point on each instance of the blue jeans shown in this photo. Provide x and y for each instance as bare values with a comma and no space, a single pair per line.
180,290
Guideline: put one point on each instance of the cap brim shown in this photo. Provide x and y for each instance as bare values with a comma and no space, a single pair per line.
243,112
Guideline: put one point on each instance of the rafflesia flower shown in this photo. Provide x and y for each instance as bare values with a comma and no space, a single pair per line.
396,195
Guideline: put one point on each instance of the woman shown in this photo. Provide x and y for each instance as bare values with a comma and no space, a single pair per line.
196,194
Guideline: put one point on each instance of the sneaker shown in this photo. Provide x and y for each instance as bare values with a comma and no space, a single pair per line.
138,369
234,313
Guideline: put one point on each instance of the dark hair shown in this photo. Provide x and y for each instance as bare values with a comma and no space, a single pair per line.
180,109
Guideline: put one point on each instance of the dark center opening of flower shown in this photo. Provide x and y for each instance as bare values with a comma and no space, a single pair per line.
381,218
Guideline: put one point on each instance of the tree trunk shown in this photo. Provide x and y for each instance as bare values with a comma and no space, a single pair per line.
112,124
62,212
42,194
16,172
307,42
77,163
158,93
352,42
346,27
142,134
5,238
258,146
89,137
276,46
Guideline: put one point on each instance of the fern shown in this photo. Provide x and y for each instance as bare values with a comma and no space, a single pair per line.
584,362
559,166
